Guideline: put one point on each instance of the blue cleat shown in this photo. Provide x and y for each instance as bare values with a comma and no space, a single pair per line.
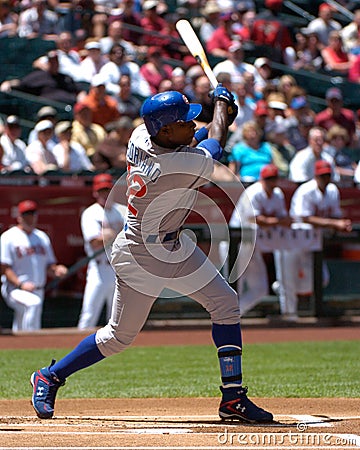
45,386
235,405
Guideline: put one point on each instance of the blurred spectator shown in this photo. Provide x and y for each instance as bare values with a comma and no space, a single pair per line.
246,111
93,62
128,104
127,14
306,53
248,157
13,147
155,70
165,85
111,152
201,95
152,22
246,30
350,34
336,114
45,113
282,150
302,165
117,66
324,24
8,20
172,45
298,107
102,9
70,155
277,107
236,66
286,82
115,36
354,70
222,38
211,13
264,73
69,59
48,83
270,29
179,80
338,140
80,39
103,107
38,153
38,21
298,134
84,131
334,57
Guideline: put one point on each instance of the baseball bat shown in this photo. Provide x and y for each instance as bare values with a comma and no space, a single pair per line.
72,270
195,47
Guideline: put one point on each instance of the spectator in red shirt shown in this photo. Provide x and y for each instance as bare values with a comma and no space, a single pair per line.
269,29
334,56
354,70
129,16
154,70
336,114
222,38
152,22
104,107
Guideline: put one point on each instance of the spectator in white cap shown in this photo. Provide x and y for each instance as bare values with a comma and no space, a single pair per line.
13,147
38,153
211,13
45,113
70,156
235,65
94,60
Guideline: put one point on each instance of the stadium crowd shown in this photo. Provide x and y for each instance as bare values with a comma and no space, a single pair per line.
110,55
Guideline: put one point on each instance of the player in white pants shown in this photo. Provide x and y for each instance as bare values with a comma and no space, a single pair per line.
27,258
100,223
166,166
262,204
314,204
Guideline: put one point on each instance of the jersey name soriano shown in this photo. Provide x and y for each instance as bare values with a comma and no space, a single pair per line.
162,184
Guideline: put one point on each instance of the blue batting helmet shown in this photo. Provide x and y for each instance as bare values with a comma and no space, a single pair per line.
167,107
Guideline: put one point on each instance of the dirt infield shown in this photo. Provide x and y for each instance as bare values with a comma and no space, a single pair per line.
185,423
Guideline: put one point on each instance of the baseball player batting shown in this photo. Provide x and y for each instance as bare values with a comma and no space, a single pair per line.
167,163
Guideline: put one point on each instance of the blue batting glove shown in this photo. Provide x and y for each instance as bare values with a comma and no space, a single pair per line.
222,94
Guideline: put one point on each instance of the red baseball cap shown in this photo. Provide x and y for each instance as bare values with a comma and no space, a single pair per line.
325,6
26,206
322,167
261,108
269,171
102,181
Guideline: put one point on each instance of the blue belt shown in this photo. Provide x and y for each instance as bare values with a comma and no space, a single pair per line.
151,239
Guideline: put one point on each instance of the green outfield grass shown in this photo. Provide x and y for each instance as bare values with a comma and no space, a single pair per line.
301,369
